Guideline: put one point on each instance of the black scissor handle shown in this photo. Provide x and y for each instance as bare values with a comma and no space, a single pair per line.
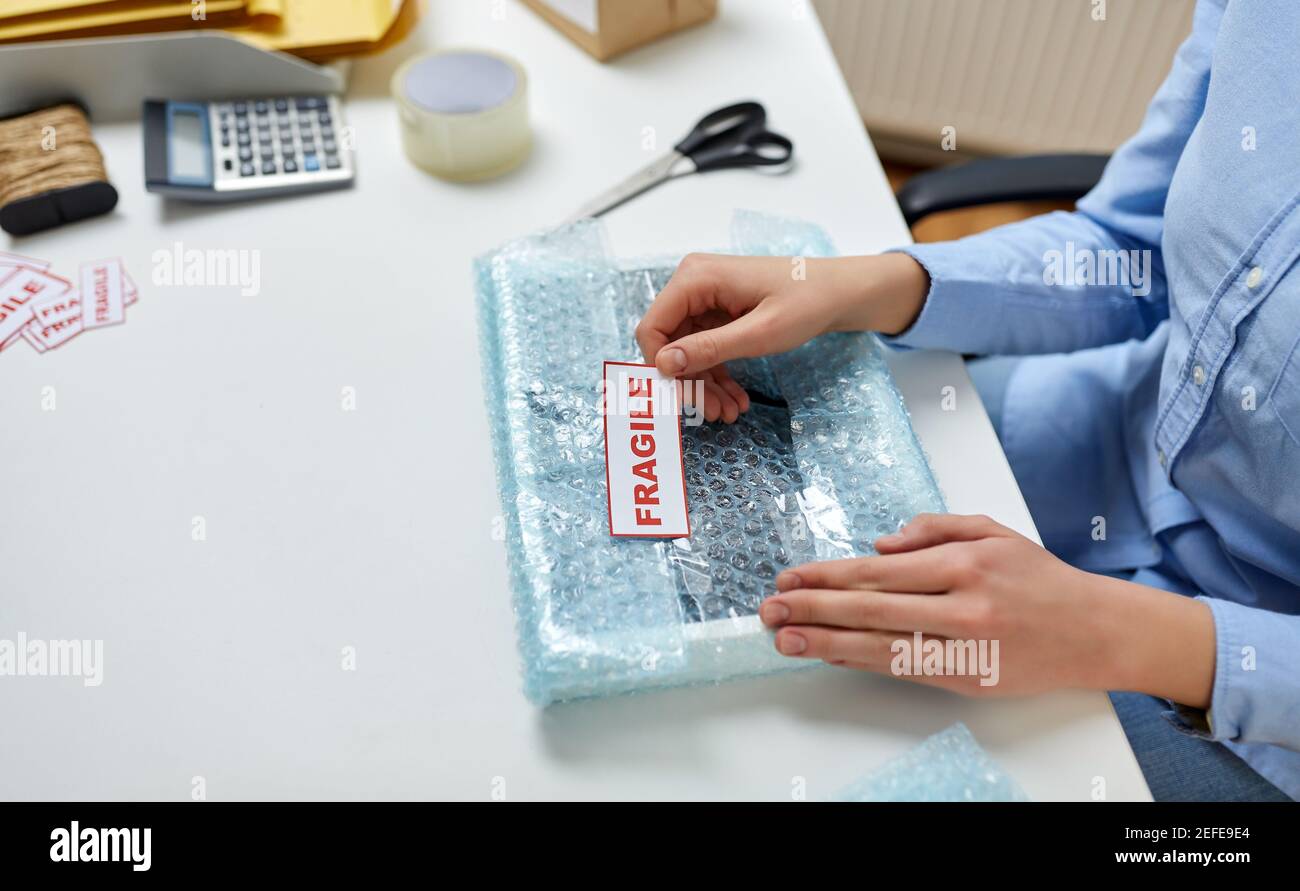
719,125
756,149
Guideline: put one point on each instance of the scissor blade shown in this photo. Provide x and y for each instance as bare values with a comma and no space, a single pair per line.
646,178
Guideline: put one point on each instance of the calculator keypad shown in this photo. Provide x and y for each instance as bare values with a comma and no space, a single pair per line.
285,141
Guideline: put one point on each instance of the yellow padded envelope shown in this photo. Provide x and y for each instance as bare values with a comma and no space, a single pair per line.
12,9
135,16
314,25
307,27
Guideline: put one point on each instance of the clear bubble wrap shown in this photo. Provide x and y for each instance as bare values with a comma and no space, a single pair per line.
823,463
949,766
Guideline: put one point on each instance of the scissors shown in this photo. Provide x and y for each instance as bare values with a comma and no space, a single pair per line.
734,136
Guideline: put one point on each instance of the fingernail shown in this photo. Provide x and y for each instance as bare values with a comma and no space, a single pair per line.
788,581
773,612
672,359
891,539
789,643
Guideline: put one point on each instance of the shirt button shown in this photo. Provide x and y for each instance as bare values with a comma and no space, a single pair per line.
1253,278
1198,376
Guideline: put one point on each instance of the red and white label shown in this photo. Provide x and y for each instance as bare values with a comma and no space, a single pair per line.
18,291
11,259
49,335
102,294
643,453
56,308
130,293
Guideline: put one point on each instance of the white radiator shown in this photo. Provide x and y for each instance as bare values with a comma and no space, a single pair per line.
1011,76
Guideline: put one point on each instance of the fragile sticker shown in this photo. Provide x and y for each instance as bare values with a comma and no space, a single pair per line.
103,297
56,307
644,471
11,260
19,290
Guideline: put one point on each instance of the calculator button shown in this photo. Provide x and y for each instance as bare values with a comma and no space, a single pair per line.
225,141
229,164
332,162
326,132
241,124
331,148
324,118
310,163
245,153
241,108
247,169
268,167
282,105
260,106
290,165
243,138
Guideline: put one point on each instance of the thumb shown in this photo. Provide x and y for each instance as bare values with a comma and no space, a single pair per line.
694,353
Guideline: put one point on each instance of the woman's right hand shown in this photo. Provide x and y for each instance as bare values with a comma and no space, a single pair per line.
718,307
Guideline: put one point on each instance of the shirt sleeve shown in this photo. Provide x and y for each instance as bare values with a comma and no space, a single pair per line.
1256,697
1026,287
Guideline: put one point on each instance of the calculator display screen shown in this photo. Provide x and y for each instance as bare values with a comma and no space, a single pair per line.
189,153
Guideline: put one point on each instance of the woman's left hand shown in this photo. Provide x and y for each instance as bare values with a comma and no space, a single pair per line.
968,580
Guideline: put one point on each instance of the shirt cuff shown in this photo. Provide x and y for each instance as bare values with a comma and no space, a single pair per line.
945,320
1256,693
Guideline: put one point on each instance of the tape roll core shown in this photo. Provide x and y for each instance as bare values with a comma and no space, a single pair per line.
464,113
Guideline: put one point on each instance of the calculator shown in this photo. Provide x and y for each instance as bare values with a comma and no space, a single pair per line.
246,148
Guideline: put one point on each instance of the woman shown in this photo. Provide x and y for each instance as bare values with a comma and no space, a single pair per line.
1152,418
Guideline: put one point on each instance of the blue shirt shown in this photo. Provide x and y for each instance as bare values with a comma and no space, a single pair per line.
1154,426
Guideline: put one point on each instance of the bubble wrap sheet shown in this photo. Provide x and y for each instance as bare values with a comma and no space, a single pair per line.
949,766
821,470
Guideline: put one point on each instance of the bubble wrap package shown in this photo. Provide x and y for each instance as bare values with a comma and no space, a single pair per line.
949,766
823,463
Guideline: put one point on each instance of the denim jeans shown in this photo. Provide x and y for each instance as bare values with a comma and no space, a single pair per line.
1182,767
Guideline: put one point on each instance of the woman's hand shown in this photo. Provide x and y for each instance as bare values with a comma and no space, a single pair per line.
717,308
965,578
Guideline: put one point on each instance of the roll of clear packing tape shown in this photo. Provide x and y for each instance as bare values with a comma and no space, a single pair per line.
464,113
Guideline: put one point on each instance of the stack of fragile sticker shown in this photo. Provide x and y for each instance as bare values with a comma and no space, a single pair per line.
47,310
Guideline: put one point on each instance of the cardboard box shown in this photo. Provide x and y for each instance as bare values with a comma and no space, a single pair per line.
606,28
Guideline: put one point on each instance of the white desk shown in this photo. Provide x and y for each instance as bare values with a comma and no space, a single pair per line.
373,528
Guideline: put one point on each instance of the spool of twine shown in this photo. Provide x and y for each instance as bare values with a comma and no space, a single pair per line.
51,170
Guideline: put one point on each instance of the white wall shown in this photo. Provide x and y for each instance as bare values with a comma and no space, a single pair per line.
1012,76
